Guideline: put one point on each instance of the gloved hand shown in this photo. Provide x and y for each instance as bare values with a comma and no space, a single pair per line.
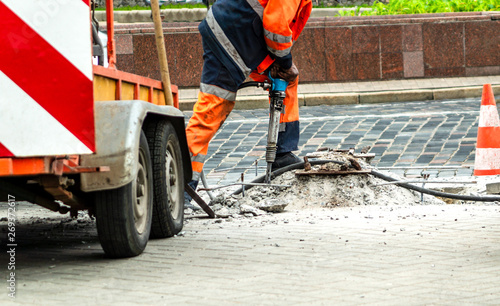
288,75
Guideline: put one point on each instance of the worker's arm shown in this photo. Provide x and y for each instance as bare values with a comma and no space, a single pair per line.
278,20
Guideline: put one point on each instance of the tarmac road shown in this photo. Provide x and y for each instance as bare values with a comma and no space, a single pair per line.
408,254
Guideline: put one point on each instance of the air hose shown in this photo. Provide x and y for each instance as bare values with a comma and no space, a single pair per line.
485,198
264,85
276,173
280,171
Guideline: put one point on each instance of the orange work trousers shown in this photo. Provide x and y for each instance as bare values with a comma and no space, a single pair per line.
215,104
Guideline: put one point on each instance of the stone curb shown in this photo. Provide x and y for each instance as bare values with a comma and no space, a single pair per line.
194,14
315,99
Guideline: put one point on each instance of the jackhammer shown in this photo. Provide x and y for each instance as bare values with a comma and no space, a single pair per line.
276,96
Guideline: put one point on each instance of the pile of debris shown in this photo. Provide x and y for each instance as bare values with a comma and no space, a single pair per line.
341,179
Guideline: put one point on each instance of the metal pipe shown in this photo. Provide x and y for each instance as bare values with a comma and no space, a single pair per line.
110,26
425,182
245,184
423,167
239,168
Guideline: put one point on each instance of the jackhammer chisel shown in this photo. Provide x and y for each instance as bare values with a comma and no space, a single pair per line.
277,95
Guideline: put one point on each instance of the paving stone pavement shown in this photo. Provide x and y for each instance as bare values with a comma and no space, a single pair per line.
384,255
390,255
416,134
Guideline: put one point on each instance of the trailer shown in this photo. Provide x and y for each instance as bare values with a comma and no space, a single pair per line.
76,136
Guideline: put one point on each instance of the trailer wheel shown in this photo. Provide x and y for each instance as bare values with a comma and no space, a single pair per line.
168,179
124,215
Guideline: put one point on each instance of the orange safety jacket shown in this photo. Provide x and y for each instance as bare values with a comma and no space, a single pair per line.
249,35
240,37
283,21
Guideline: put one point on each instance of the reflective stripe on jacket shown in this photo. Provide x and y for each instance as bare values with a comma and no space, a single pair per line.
253,33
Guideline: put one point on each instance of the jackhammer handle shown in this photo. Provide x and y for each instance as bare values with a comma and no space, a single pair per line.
277,84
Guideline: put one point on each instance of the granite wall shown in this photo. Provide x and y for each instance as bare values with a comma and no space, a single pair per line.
342,49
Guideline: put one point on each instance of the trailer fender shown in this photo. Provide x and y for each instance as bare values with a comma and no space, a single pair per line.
117,131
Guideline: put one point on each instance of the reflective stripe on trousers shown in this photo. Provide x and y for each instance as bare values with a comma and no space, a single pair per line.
209,113
216,100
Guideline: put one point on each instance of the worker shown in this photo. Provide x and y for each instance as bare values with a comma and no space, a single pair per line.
246,38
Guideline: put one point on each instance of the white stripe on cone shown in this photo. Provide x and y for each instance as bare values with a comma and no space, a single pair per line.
487,159
27,129
489,116
66,28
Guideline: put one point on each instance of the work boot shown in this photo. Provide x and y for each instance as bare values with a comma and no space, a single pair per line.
188,198
285,159
188,204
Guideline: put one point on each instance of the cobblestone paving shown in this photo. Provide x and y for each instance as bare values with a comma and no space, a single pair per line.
400,255
384,255
400,134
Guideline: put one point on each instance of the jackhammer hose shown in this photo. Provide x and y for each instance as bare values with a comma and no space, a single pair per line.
380,175
280,171
437,193
251,84
205,184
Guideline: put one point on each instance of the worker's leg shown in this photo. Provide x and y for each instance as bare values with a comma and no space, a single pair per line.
288,137
209,113
215,102
219,82
212,108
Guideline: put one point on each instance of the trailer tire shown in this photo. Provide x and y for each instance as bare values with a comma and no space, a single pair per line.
168,179
124,215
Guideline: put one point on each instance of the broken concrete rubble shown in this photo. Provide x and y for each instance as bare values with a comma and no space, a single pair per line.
319,191
274,205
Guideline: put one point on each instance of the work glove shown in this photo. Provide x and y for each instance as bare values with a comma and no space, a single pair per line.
288,75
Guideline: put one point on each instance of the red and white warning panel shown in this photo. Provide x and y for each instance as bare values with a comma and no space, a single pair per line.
46,91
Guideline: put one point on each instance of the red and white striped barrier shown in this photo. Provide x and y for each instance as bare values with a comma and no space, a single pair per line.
46,89
487,160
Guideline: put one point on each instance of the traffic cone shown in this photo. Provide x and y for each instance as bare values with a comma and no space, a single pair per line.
487,161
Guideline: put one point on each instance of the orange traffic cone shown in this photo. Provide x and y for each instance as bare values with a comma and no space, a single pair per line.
487,160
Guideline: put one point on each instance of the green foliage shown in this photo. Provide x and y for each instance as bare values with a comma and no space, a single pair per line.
322,4
394,7
397,7
184,5
147,8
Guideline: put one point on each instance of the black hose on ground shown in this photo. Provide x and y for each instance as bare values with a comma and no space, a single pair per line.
380,175
280,171
485,198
